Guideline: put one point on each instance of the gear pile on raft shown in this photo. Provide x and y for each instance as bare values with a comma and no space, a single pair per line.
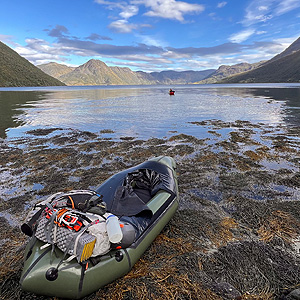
83,239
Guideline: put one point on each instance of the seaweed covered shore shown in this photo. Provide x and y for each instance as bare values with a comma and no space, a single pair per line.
236,234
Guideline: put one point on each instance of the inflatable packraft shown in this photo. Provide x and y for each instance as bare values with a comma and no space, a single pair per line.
82,240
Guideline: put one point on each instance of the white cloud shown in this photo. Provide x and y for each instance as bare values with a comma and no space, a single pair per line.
38,51
221,4
7,39
260,32
110,4
241,36
122,26
208,63
258,11
169,9
175,55
152,41
286,6
129,11
263,10
145,58
285,42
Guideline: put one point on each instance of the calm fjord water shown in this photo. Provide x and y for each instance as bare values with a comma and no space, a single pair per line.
145,111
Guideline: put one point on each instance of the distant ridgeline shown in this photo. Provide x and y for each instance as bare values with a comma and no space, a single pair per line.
15,70
224,71
96,72
284,67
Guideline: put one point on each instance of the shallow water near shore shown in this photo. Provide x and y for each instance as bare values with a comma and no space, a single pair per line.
147,111
237,151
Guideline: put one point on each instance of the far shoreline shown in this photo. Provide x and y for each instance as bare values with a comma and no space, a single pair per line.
167,86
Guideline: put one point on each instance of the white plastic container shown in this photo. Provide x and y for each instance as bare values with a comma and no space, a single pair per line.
113,228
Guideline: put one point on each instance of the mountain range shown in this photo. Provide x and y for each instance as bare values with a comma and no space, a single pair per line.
15,70
96,72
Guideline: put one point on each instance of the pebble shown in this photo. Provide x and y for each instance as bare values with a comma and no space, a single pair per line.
294,295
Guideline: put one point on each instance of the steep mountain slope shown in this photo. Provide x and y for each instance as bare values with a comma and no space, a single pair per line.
96,72
285,69
15,70
281,68
225,71
295,46
55,70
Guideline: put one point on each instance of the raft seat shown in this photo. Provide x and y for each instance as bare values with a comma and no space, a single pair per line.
143,194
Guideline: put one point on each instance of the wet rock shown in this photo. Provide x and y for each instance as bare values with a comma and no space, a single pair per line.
294,295
226,291
42,131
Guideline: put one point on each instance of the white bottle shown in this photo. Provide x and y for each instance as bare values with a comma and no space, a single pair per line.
113,228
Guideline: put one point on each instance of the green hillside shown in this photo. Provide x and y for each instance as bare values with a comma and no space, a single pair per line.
15,70
285,69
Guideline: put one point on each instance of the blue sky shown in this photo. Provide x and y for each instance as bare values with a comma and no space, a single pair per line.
150,35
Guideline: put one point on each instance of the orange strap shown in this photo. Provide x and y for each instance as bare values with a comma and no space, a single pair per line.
73,206
61,212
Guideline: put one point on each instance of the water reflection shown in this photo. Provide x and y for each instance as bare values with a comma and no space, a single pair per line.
288,96
291,99
144,111
12,105
15,105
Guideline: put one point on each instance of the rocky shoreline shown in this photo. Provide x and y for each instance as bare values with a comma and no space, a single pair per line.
236,234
